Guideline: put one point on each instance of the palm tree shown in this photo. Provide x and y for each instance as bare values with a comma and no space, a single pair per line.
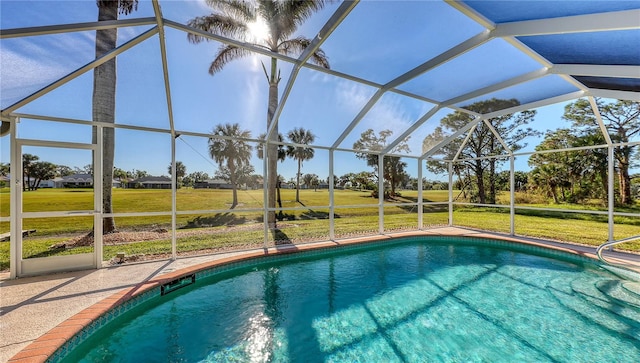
104,96
181,171
282,155
232,151
299,153
27,163
237,18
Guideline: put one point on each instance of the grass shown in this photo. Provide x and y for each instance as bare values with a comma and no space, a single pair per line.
211,231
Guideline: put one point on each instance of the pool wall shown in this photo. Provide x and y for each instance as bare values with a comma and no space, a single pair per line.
57,342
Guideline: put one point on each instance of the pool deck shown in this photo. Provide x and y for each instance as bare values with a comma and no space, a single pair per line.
38,314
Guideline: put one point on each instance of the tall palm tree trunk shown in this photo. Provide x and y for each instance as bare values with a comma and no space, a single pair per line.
298,181
104,105
272,147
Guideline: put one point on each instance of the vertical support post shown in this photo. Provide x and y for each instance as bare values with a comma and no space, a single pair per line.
380,194
15,190
512,191
98,195
450,193
174,191
420,196
611,190
332,230
265,191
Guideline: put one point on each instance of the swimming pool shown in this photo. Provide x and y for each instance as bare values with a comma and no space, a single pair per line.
408,300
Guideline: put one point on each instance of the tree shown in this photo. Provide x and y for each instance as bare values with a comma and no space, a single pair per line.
104,96
580,174
311,180
365,180
392,166
503,181
4,169
282,156
194,177
137,174
299,153
231,152
622,121
241,175
181,170
120,174
236,18
39,171
27,164
482,142
395,174
63,170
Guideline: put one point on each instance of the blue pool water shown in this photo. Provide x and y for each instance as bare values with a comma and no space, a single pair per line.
408,301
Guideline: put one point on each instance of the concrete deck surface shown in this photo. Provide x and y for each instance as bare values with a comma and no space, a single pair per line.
30,307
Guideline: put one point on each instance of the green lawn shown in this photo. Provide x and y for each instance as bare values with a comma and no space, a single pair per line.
243,227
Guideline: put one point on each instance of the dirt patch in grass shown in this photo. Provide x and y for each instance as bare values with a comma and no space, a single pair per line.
126,237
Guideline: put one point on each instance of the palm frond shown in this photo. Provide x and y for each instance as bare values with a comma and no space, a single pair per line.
124,6
318,57
295,12
245,10
294,47
227,53
218,24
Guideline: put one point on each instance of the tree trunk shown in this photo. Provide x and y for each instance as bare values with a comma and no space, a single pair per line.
492,181
234,188
625,183
104,105
272,147
554,194
623,176
298,181
480,179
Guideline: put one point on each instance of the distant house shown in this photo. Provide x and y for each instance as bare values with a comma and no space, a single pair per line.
56,182
77,181
212,184
151,182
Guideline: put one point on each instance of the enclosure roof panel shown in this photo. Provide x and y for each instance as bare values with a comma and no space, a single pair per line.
393,64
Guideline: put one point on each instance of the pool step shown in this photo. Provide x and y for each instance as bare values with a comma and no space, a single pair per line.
586,289
632,288
596,314
615,290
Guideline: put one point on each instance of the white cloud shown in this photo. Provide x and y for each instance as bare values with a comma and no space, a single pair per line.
20,75
391,112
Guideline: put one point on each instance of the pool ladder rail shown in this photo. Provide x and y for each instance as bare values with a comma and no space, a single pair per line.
609,244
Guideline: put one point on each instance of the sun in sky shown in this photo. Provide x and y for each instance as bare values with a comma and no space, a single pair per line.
258,31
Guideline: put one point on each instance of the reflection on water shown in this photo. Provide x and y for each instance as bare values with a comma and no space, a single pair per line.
402,303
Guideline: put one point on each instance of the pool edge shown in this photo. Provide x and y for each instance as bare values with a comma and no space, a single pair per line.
46,346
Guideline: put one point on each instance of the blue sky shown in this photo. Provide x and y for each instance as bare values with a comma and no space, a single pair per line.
379,41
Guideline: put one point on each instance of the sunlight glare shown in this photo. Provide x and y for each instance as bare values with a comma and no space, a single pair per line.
258,31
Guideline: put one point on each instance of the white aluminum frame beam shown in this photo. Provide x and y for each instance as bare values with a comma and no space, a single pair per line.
434,62
539,73
167,88
596,113
597,70
82,70
614,94
497,135
412,128
615,20
451,137
76,27
464,143
336,19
